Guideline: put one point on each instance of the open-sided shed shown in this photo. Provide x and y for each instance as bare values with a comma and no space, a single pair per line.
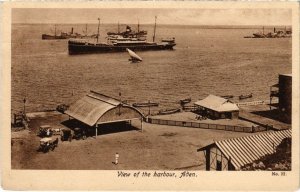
218,107
233,154
95,109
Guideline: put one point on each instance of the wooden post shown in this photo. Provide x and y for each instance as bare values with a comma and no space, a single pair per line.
15,118
24,109
149,108
54,30
270,98
98,30
96,131
207,159
154,29
229,166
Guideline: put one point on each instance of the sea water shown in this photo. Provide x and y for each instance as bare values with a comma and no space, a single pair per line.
206,60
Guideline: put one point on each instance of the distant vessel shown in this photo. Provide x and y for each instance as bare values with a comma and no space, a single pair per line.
169,111
128,33
62,35
245,96
134,56
120,43
227,96
276,34
185,101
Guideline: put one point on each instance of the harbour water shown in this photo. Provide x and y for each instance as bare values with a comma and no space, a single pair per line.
206,60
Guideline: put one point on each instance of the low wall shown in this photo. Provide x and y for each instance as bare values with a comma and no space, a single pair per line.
206,125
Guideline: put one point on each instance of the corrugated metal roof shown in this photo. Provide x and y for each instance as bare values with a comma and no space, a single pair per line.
91,107
218,104
244,150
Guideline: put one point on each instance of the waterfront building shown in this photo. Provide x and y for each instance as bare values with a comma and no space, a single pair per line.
217,108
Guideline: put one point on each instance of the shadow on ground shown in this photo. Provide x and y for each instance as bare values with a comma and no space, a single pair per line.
103,129
270,114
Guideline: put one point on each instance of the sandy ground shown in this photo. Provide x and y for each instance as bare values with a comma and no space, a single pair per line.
157,147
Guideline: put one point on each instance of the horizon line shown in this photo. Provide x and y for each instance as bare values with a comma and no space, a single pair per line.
287,25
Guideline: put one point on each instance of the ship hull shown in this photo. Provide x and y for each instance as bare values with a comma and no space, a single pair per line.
52,37
85,48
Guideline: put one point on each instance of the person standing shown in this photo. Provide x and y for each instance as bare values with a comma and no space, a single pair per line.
117,158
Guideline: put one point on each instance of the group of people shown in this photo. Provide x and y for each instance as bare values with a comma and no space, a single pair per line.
200,117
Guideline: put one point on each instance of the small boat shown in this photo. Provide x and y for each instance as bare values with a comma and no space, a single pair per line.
227,96
245,96
185,101
62,108
168,111
148,104
134,57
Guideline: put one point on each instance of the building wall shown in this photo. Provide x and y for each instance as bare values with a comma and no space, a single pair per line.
218,115
217,160
285,96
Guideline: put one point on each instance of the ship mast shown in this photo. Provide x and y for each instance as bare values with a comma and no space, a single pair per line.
86,32
154,29
138,26
98,30
54,30
118,27
285,29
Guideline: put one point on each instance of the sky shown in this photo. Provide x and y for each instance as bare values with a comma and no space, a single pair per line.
146,16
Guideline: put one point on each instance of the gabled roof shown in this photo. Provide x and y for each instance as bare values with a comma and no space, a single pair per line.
91,107
218,104
245,150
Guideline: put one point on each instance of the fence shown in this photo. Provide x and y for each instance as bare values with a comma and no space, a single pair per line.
206,125
251,103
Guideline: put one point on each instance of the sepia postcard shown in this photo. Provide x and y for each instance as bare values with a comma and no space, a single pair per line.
150,95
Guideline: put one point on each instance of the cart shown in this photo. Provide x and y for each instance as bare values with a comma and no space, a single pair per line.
47,144
66,135
79,134
45,131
